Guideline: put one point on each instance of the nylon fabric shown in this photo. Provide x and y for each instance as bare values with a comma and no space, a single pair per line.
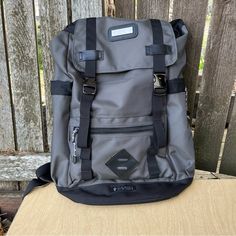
125,100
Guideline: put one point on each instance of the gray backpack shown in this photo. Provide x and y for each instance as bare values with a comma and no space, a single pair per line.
120,131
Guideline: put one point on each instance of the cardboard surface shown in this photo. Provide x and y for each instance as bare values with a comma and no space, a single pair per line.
207,207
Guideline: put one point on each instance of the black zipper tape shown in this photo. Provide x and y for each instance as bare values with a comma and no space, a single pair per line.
121,130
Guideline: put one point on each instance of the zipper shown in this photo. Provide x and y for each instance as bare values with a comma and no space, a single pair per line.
75,155
122,130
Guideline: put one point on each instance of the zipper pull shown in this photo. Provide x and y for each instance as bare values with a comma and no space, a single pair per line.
74,157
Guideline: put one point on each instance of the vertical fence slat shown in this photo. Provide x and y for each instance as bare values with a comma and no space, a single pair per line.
125,9
228,163
153,9
53,18
193,13
85,8
108,8
6,124
22,54
218,77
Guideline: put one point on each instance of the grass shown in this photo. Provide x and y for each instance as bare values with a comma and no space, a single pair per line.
204,44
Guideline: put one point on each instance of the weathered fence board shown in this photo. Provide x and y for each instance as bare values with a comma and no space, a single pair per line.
153,9
9,186
6,122
228,162
108,8
84,8
53,18
22,54
21,167
193,13
125,9
217,83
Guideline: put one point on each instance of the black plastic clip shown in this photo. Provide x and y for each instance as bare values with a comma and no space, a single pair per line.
159,84
90,86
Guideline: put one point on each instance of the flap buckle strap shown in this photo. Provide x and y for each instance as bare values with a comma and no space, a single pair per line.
158,101
89,90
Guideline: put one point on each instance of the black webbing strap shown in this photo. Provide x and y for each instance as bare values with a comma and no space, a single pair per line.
43,177
87,96
90,66
61,88
157,49
153,168
158,59
175,86
158,101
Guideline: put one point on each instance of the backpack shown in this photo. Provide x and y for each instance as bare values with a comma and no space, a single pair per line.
120,129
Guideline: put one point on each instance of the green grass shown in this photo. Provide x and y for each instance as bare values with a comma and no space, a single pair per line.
204,43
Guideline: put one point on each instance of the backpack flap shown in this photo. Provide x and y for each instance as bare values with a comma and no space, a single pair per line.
122,45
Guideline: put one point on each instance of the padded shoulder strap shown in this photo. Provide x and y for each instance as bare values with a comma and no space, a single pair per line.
43,177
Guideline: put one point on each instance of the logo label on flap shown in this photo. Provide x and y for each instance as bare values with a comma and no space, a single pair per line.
122,32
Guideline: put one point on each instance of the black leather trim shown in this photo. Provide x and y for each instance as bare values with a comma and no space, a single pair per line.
61,88
175,86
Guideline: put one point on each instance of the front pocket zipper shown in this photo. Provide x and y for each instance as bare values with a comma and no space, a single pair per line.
93,131
121,130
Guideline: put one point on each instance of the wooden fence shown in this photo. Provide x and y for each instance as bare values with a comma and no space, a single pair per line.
25,102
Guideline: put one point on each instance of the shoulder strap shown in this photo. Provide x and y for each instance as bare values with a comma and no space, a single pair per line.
159,138
43,177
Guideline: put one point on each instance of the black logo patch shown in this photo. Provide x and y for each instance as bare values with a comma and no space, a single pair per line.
122,164
123,188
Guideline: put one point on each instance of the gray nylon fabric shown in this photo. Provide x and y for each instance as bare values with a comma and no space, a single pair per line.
123,99
122,55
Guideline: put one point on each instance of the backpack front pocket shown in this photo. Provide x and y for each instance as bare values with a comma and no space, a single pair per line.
117,153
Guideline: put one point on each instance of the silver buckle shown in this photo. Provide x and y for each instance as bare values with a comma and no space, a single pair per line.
159,84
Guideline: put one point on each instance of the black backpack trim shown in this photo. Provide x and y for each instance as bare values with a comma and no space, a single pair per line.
87,96
125,193
159,95
43,177
61,88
